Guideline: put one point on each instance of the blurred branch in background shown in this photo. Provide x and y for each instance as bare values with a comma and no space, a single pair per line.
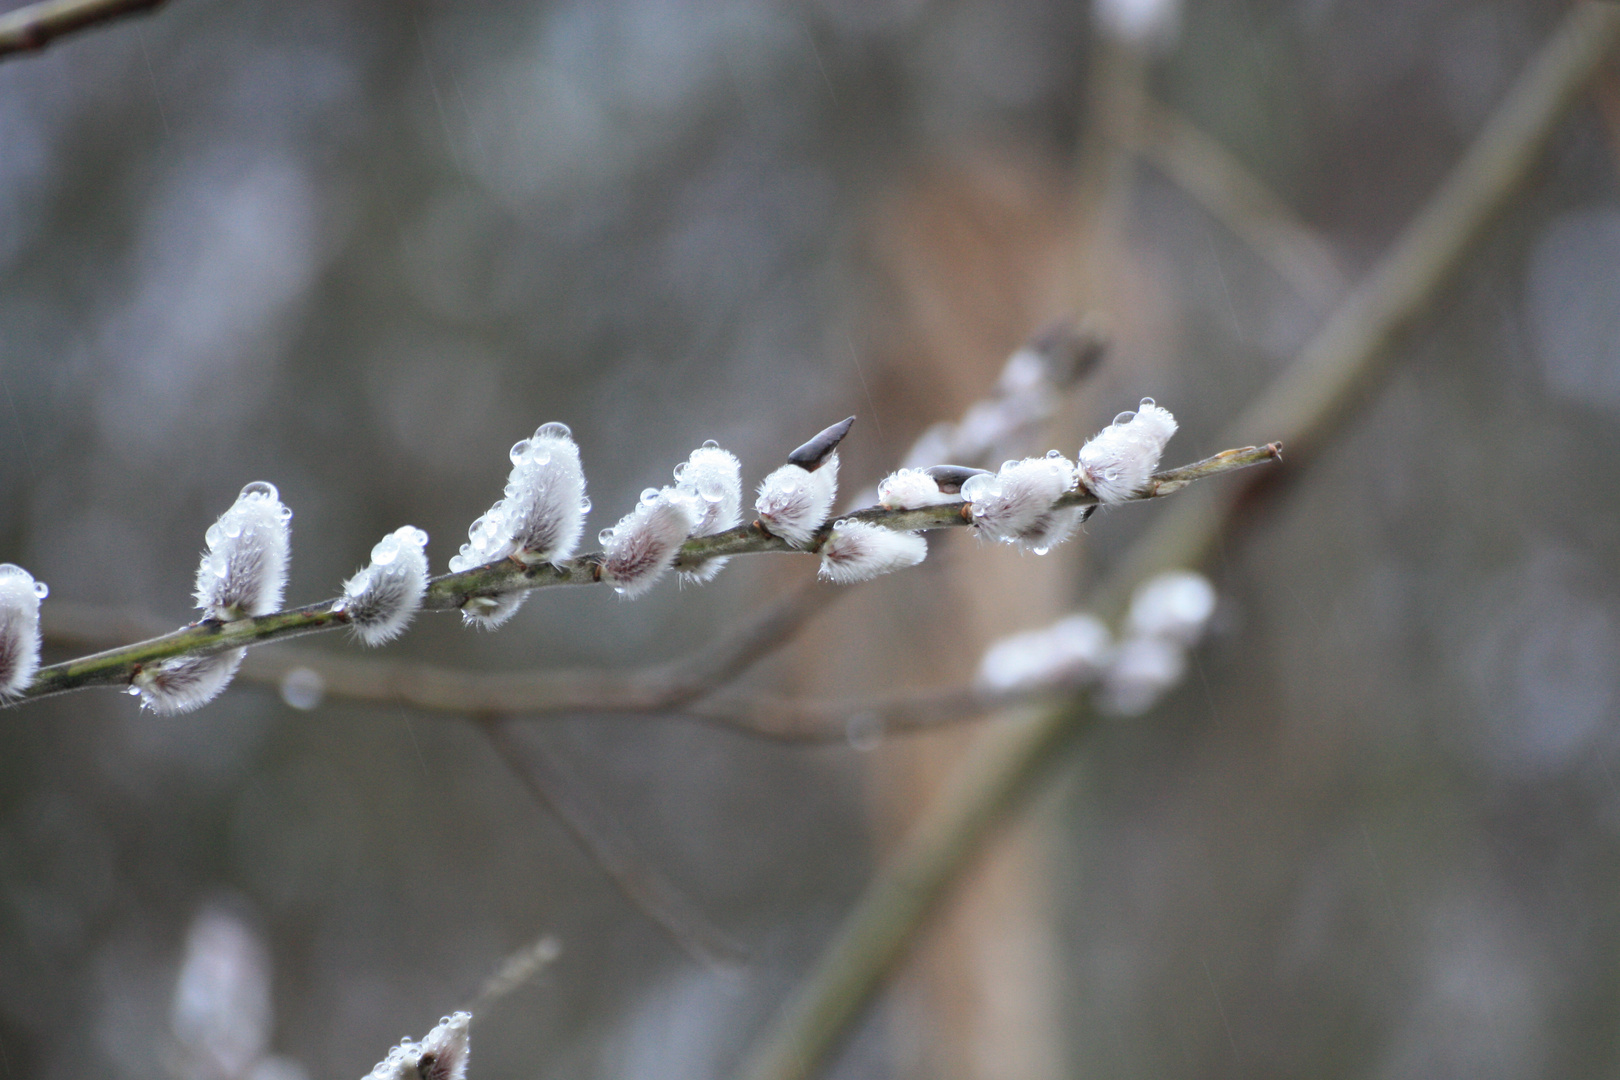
549,783
31,28
1222,185
1302,404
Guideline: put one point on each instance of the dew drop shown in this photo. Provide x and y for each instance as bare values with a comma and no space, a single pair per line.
520,451
214,535
1042,550
302,688
554,430
680,470
585,506
649,496
1009,463
619,589
1054,454
133,691
1124,418
712,490
540,456
284,514
1148,403
41,589
864,731
710,444
604,537
260,489
233,528
385,551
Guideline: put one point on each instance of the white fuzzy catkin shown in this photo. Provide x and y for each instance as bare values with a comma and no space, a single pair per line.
489,612
20,595
793,502
1015,504
185,683
1174,605
640,548
441,1055
542,511
859,551
713,477
1143,669
1072,650
910,489
1120,459
382,599
244,570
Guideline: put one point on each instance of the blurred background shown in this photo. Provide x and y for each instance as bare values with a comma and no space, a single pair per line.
359,248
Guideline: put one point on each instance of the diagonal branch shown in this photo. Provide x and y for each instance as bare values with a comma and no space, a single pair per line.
1305,402
439,689
31,28
552,787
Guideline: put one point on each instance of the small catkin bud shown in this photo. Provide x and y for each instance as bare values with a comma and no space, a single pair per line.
1175,606
185,682
859,551
640,548
244,571
1118,462
489,612
382,599
441,1055
713,477
793,503
1073,650
543,510
909,489
1015,505
20,595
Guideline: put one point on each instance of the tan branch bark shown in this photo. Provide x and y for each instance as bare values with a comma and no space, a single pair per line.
31,28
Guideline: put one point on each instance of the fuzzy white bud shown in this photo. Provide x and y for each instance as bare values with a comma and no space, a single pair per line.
489,612
1143,669
1174,605
640,548
20,595
910,489
185,683
859,551
1120,459
244,571
1072,650
542,511
441,1055
382,599
794,502
713,477
1015,504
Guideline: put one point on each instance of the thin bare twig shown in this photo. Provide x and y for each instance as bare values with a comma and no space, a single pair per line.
31,28
407,682
1239,200
438,689
1304,403
551,785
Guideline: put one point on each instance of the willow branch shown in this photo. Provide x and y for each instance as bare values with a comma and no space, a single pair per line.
1303,404
31,28
438,689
